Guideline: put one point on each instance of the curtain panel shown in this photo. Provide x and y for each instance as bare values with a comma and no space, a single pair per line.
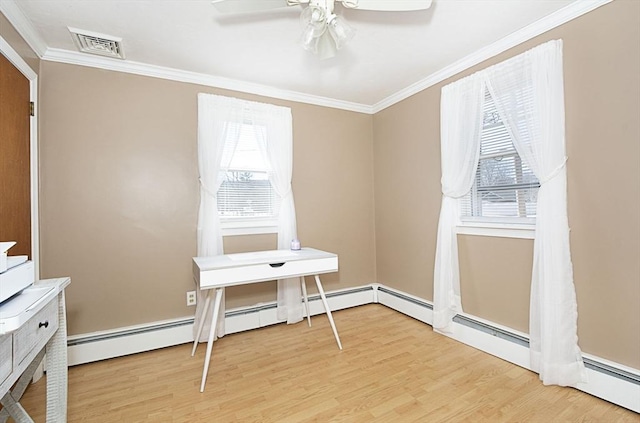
276,144
219,121
529,96
213,113
461,126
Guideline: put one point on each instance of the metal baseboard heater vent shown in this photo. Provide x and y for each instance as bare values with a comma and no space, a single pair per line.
316,297
520,340
463,320
189,321
128,332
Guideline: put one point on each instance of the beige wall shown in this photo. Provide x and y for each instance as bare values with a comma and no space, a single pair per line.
407,180
602,95
603,146
119,194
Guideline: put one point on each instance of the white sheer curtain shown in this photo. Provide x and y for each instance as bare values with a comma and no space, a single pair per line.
219,122
461,126
537,127
528,93
214,115
276,143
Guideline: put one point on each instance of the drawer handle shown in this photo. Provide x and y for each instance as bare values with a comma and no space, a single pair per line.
45,324
276,264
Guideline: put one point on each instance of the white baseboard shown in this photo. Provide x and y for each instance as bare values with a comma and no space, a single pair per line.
248,318
86,348
103,345
499,341
607,386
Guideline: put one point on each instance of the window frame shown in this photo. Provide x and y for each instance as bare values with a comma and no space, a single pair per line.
503,226
497,229
247,225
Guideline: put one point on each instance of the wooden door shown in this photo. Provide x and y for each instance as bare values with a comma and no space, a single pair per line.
15,173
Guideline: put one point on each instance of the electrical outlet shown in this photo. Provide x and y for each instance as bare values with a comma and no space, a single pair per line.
191,298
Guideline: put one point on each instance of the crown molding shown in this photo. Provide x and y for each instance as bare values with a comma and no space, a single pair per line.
143,69
541,26
24,27
10,9
31,36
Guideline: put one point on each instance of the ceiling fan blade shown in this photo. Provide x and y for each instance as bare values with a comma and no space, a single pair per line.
390,5
242,6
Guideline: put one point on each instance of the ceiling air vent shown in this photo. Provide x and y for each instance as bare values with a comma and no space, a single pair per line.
95,43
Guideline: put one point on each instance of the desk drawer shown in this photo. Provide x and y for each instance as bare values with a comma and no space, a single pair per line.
36,332
6,353
266,272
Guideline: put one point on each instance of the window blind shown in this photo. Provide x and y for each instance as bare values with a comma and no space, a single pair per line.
246,191
505,188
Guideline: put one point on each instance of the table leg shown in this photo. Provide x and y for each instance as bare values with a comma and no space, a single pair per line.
14,409
327,310
57,373
303,285
10,401
212,332
207,303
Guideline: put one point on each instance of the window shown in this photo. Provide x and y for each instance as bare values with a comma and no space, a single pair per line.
246,197
505,189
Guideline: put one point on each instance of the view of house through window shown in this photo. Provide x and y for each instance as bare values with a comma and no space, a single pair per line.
246,192
505,188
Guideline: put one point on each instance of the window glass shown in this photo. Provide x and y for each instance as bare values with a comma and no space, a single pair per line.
505,188
246,192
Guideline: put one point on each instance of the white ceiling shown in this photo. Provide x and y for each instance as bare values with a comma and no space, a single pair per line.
392,53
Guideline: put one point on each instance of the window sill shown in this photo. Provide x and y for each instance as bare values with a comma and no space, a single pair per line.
504,230
248,227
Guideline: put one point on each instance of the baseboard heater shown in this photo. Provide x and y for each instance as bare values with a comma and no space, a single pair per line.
146,329
310,298
518,339
463,320
122,333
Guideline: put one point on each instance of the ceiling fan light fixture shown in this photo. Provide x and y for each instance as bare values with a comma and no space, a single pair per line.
314,24
323,32
314,16
340,31
326,47
309,41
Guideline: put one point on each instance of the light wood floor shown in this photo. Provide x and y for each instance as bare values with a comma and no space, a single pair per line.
392,369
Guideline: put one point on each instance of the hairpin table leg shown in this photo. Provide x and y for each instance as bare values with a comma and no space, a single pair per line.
327,310
212,332
303,285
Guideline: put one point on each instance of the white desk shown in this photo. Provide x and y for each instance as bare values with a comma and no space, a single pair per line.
217,272
30,324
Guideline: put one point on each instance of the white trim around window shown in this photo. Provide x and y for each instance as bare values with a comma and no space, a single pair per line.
497,229
234,227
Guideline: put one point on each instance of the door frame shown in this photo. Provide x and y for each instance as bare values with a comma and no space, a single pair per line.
7,51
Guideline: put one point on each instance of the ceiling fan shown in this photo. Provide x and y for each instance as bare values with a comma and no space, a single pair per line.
323,31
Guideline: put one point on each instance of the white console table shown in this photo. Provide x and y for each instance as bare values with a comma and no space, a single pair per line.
217,272
31,323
